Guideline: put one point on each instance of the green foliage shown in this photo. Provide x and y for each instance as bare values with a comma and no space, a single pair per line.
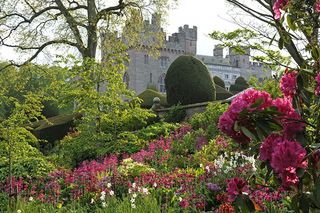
175,114
222,94
188,81
219,82
269,85
131,169
208,120
147,97
155,130
239,85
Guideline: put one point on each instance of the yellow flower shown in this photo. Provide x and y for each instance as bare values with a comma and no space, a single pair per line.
59,206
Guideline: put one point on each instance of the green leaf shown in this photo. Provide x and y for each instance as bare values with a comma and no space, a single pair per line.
257,103
281,42
248,133
244,203
291,23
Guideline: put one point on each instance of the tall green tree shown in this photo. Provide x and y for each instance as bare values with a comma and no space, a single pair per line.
31,26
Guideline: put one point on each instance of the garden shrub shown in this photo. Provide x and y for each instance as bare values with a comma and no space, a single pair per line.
208,120
239,85
219,82
147,97
27,160
175,114
222,94
131,169
188,81
155,130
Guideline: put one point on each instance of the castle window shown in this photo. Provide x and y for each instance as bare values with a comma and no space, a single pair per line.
190,43
146,59
234,77
125,79
162,87
150,80
164,61
226,76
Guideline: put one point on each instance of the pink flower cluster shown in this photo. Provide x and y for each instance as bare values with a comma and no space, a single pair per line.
317,6
236,186
279,4
243,101
288,84
289,118
285,158
317,91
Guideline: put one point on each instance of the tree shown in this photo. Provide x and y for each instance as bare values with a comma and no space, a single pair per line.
188,81
33,26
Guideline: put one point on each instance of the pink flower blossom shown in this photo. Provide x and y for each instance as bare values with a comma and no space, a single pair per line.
286,158
268,146
290,119
317,6
241,102
279,4
236,186
288,84
289,177
317,91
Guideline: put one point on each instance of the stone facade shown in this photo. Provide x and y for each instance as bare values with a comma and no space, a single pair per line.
144,70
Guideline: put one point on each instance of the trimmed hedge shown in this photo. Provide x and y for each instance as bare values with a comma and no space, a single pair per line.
222,94
218,81
148,95
188,81
239,85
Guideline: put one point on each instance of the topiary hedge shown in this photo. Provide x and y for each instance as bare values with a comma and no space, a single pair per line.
222,94
239,85
218,81
147,97
188,81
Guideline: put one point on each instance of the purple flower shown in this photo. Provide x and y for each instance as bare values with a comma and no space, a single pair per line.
213,187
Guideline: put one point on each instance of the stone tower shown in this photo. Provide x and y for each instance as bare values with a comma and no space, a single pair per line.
239,60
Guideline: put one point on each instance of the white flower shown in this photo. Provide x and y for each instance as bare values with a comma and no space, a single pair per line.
103,196
155,185
104,204
30,199
139,189
111,193
145,191
132,200
201,165
180,199
134,185
134,195
109,185
19,211
133,205
92,201
208,169
129,191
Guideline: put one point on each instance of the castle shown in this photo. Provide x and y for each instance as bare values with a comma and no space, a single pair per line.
144,70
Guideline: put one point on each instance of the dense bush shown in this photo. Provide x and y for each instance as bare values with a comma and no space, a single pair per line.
188,81
239,85
208,120
222,94
218,81
175,114
147,97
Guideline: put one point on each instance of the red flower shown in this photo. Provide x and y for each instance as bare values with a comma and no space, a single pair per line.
236,186
225,208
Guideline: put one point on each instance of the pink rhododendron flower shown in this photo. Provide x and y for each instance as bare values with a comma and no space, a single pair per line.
288,84
268,145
236,186
290,119
317,91
289,177
279,4
317,6
286,158
241,102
